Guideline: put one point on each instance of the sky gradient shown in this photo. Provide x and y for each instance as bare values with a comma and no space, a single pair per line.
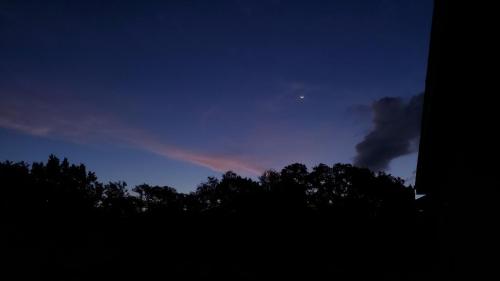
170,93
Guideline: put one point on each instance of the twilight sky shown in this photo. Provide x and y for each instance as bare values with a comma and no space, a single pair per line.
170,92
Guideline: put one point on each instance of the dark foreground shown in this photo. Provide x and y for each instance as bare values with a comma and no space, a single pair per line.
334,223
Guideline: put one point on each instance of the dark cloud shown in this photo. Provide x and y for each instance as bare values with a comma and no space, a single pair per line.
396,129
360,113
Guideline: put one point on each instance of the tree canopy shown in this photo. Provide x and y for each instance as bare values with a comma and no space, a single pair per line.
349,215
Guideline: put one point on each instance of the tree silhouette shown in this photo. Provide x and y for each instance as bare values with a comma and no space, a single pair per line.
293,186
117,201
348,212
158,198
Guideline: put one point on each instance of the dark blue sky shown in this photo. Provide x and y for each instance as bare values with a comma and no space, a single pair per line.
170,92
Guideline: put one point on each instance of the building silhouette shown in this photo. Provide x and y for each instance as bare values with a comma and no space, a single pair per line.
458,155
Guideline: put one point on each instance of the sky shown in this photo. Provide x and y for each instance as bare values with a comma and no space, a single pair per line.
170,92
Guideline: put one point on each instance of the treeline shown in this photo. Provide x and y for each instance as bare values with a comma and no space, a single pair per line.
348,223
58,186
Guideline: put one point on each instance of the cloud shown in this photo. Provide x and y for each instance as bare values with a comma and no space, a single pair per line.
218,163
396,129
79,123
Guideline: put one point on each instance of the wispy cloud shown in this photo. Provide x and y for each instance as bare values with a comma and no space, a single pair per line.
76,122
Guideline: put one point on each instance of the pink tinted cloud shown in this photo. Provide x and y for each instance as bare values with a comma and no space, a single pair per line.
77,123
